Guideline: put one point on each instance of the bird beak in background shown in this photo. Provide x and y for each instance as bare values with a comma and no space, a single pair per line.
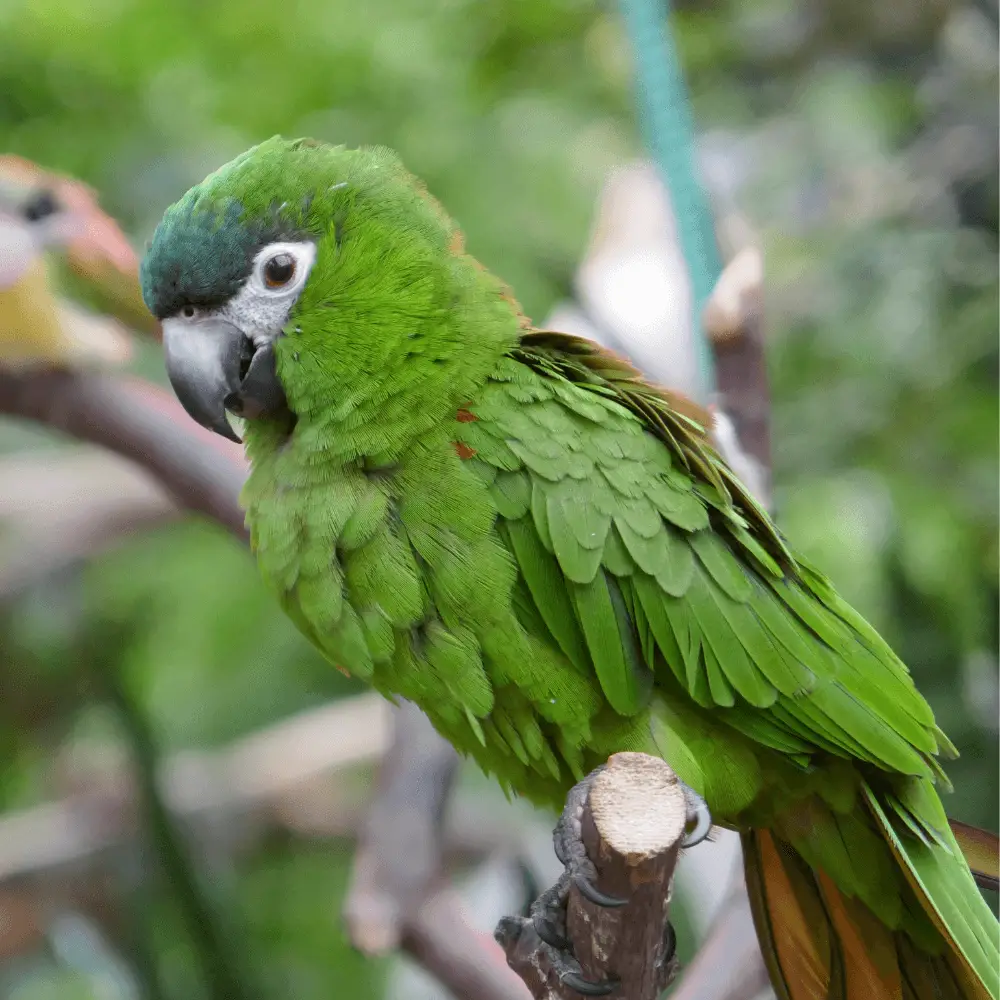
213,367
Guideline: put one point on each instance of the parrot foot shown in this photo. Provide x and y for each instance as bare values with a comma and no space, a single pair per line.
567,840
548,912
547,915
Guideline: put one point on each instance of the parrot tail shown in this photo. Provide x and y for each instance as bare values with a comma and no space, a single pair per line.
821,944
982,852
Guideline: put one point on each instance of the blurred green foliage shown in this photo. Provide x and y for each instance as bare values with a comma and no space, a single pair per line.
859,138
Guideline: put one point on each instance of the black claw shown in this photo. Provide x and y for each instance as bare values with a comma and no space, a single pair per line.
550,934
585,987
669,944
702,828
591,892
697,810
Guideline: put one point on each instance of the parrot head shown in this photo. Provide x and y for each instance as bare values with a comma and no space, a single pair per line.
295,269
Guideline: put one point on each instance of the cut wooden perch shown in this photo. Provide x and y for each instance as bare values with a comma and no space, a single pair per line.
632,827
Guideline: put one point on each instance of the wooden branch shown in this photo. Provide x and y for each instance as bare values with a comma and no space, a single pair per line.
200,470
469,964
258,773
632,826
287,777
398,860
398,895
60,509
734,322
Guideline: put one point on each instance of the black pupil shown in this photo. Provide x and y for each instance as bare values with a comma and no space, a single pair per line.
279,269
41,205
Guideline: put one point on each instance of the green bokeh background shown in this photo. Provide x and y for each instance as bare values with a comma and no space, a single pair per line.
859,139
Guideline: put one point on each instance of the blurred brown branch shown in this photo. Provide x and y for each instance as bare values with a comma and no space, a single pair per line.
734,323
141,422
258,776
64,507
399,854
399,893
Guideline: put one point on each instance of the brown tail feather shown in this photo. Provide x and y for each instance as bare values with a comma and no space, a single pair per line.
794,937
982,853
819,944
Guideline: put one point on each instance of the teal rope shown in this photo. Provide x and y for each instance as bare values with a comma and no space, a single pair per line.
668,131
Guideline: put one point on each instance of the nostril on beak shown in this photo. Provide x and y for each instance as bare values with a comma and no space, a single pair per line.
234,404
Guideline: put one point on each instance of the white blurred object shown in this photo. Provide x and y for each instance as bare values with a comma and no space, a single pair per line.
633,284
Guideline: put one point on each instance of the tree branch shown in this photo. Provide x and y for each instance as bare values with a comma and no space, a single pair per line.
66,507
399,855
469,964
398,896
734,322
142,422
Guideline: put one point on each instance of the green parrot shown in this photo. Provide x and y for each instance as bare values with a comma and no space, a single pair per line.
545,552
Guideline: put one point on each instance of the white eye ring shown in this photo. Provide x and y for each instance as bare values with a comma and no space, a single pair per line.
281,269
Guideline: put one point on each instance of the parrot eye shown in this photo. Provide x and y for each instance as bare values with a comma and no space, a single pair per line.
279,270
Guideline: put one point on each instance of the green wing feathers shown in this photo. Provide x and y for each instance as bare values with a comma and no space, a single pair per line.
636,528
645,561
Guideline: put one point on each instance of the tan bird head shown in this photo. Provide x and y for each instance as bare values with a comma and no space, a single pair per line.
37,329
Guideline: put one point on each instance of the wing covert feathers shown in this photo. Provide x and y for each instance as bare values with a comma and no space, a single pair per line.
602,478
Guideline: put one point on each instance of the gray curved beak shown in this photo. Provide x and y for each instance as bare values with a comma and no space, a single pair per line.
213,367
203,364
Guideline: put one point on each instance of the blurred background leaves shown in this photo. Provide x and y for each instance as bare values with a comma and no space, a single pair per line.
859,138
